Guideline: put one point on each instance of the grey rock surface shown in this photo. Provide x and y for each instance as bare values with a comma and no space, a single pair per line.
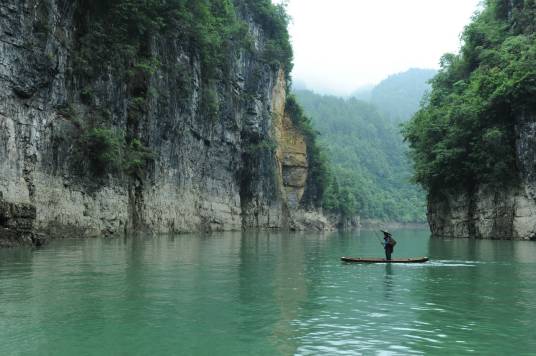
507,212
202,177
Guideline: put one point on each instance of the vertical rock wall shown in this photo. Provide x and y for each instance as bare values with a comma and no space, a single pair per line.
508,212
246,168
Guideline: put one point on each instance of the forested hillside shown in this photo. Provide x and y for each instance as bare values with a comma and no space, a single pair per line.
370,170
398,97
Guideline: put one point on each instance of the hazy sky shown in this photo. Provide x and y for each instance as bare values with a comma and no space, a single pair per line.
340,45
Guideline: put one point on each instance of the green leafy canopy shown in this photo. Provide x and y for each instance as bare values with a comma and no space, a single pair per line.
464,133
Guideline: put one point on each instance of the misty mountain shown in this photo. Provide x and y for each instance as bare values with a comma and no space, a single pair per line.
363,93
299,85
368,157
398,97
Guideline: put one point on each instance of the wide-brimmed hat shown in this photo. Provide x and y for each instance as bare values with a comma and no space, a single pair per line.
386,232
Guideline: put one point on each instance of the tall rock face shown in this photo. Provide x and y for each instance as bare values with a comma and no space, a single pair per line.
475,140
159,148
488,212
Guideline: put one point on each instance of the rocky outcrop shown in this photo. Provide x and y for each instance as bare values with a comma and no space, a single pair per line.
16,225
291,153
243,167
506,212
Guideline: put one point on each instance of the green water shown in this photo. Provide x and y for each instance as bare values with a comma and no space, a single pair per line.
268,294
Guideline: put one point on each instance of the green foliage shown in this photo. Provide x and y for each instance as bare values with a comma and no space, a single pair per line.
210,104
116,33
137,107
86,95
266,145
369,168
347,203
274,21
464,134
102,147
147,66
332,196
107,152
211,29
136,157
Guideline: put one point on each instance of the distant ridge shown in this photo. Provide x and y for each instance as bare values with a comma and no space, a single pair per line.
398,96
368,158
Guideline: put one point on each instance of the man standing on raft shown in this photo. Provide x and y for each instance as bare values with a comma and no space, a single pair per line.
388,244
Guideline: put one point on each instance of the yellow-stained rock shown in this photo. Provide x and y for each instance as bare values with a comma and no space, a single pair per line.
291,151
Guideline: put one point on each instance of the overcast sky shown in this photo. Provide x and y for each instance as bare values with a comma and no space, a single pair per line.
340,45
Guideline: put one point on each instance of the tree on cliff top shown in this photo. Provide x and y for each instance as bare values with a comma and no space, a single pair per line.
464,134
117,32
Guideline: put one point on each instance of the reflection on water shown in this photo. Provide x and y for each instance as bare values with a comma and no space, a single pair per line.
389,282
493,280
268,294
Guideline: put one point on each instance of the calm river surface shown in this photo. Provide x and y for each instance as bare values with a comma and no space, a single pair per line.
268,294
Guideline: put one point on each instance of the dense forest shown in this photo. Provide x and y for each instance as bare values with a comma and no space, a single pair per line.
370,171
399,96
464,135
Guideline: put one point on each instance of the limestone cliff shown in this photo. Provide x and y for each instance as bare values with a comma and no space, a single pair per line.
199,155
473,141
488,212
